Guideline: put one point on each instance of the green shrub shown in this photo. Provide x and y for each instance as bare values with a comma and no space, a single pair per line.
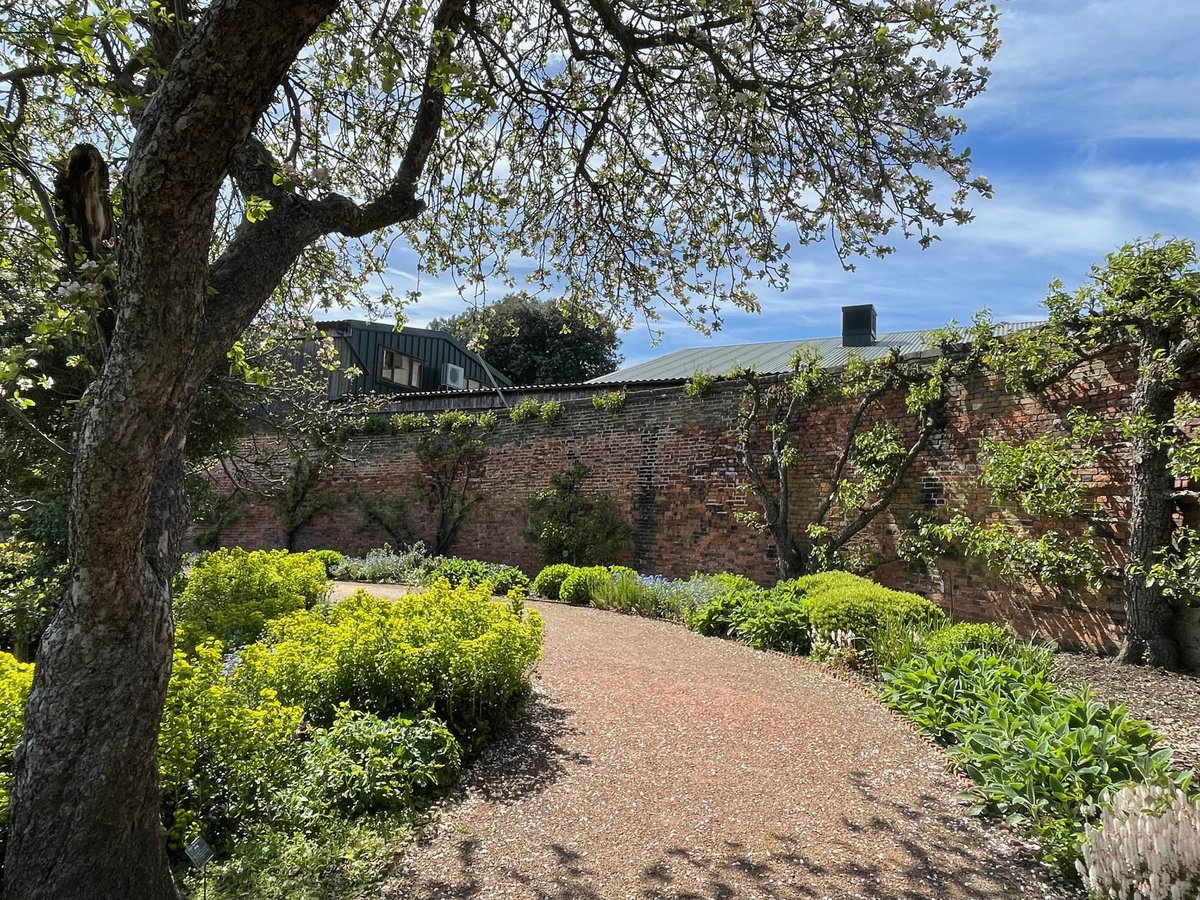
471,571
15,681
336,859
582,585
365,764
30,587
573,527
841,602
699,384
458,421
230,594
224,755
718,617
524,411
331,559
772,620
1036,754
405,422
409,565
548,582
452,650
551,412
982,637
609,401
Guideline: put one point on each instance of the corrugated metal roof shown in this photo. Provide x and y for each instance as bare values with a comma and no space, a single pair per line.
775,356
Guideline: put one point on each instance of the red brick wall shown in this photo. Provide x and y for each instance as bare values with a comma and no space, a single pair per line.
668,462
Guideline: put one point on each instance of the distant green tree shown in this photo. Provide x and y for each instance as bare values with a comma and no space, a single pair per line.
537,341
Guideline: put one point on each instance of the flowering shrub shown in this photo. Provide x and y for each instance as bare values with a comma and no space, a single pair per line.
230,594
1146,845
452,650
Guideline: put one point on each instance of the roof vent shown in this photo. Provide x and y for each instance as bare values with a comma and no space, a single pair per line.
858,325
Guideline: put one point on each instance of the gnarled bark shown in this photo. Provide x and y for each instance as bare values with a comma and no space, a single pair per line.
85,821
1148,617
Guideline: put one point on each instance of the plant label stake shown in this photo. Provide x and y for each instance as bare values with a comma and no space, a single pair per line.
200,853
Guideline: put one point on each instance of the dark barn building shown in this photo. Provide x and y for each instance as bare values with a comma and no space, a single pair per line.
413,360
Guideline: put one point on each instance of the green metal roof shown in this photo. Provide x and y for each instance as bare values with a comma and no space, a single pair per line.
774,356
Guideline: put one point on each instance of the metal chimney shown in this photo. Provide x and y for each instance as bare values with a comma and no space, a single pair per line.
858,325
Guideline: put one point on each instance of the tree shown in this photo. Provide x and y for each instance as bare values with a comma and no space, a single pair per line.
896,407
639,155
1141,310
537,342
577,528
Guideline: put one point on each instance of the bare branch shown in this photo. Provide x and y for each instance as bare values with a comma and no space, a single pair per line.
30,427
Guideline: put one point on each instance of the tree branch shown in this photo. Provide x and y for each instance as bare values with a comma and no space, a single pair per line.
868,513
844,458
28,425
35,183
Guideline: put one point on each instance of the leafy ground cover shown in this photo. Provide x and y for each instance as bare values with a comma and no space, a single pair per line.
1045,757
301,738
414,565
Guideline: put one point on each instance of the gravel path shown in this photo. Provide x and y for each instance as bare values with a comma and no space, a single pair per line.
655,763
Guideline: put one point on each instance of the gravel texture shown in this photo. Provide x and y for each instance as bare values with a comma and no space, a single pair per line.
660,765
1168,700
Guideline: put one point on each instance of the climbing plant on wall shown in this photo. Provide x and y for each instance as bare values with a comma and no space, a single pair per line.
898,405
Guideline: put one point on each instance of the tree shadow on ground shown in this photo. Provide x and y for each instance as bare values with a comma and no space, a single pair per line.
879,859
530,758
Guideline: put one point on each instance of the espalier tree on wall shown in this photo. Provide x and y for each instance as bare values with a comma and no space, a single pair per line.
898,406
1141,309
647,154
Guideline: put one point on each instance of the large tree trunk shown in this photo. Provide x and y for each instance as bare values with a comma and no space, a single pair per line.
1149,619
789,559
86,800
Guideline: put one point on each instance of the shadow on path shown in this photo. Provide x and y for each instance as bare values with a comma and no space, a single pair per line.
529,759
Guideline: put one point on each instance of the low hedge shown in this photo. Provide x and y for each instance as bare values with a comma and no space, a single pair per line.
581,586
548,582
840,602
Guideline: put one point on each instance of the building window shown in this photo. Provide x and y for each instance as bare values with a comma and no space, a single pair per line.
400,369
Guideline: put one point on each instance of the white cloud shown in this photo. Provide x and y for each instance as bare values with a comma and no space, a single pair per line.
1096,69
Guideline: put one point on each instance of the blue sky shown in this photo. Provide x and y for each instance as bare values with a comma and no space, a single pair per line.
1090,134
